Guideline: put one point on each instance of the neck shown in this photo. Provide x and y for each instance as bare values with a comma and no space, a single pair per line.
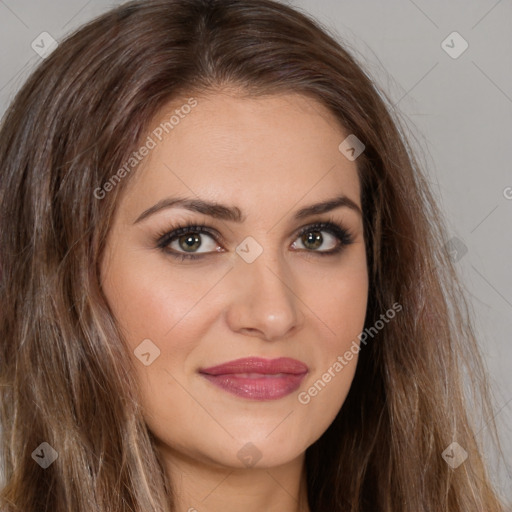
203,486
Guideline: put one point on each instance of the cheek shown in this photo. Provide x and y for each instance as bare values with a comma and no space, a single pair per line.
342,307
340,310
337,300
162,312
151,299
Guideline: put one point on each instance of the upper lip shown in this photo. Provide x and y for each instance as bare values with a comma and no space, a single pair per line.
258,365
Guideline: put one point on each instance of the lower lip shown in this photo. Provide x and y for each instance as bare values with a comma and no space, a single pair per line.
266,387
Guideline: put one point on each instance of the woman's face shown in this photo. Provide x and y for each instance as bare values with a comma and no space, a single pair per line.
257,287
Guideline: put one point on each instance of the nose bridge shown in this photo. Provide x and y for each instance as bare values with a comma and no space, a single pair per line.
264,299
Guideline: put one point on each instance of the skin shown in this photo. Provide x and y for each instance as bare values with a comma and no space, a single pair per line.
269,156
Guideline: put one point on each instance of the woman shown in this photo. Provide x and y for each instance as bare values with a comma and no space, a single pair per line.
224,279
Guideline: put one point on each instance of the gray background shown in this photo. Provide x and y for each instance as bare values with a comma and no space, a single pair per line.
459,110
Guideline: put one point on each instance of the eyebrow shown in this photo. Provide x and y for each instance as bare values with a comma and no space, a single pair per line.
233,213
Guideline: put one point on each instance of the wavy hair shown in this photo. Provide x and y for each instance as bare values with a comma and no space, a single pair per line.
65,374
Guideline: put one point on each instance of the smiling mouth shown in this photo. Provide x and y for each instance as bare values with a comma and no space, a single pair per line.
256,378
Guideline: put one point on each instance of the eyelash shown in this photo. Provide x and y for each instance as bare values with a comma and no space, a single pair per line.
163,239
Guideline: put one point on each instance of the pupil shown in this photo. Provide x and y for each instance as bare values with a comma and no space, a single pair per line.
314,238
192,242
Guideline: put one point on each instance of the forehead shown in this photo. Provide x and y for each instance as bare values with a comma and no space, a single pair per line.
261,152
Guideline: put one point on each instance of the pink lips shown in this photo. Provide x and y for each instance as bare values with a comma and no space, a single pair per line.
258,379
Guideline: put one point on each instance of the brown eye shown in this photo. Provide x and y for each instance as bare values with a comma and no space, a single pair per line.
312,240
189,243
185,241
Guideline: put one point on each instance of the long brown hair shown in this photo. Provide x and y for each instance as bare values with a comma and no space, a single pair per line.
66,377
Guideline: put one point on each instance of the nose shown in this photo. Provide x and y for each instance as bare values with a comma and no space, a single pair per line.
263,301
